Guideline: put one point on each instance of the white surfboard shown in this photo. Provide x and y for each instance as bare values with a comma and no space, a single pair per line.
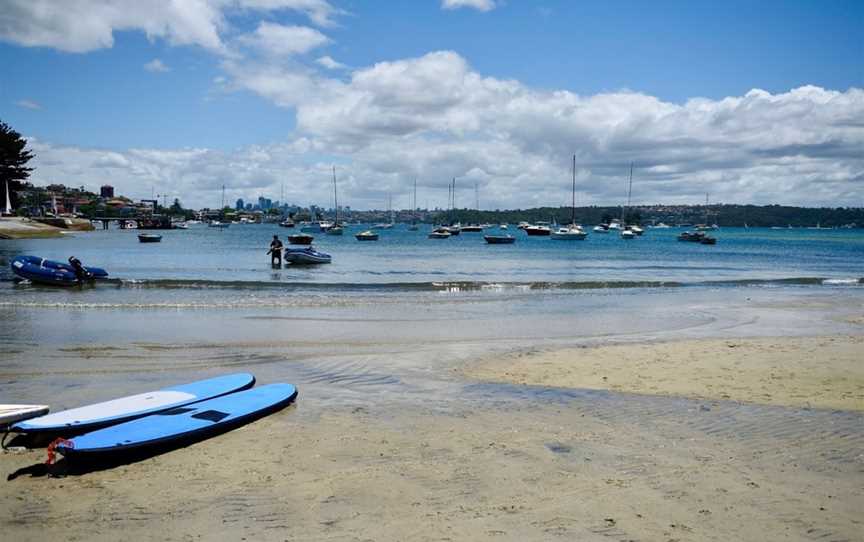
135,406
10,414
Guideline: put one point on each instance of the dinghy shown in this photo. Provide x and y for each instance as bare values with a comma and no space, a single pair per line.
306,255
149,237
499,239
90,417
44,271
182,424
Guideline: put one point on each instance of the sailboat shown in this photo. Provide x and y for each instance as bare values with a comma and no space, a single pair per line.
336,228
573,232
387,225
413,226
627,231
216,223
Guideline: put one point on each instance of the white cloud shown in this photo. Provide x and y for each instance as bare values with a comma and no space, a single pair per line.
29,104
479,5
80,26
329,63
156,66
278,40
436,118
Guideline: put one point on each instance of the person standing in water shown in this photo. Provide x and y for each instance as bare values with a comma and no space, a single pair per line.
275,251
81,274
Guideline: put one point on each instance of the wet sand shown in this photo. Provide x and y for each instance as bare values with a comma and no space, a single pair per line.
811,372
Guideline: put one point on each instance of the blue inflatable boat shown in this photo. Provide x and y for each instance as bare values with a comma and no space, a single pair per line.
44,271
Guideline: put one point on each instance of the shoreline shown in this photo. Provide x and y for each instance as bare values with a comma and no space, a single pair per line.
805,372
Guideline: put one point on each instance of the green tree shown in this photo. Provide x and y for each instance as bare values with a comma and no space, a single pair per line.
13,161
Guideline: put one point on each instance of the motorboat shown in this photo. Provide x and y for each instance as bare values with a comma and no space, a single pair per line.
367,235
149,237
218,224
636,229
573,232
503,227
335,229
472,228
615,225
305,256
691,236
440,233
499,239
454,229
522,225
44,271
287,223
662,225
300,239
601,228
316,227
628,234
541,228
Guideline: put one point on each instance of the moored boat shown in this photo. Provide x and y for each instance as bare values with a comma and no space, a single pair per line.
306,255
300,239
541,228
440,233
367,235
499,239
149,237
44,271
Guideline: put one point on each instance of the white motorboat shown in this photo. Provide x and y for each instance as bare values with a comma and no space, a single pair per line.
601,228
573,232
440,233
541,228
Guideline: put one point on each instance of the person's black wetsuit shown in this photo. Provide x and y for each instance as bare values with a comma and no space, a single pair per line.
276,251
81,274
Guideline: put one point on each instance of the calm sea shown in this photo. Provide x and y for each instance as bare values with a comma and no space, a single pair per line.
236,257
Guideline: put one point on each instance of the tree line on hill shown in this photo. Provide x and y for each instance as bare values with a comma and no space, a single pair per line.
729,215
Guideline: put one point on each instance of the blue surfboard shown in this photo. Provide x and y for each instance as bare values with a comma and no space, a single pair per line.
78,420
189,422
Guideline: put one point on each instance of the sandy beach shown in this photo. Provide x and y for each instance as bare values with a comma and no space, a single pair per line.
810,372
419,430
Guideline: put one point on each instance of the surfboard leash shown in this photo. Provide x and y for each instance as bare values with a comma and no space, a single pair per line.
51,450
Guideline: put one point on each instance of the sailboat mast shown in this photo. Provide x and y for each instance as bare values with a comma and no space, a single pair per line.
335,201
573,217
629,193
223,196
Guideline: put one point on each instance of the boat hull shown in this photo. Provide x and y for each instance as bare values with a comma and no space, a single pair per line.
44,271
499,239
305,256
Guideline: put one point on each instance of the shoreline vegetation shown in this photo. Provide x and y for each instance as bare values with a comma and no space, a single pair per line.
800,372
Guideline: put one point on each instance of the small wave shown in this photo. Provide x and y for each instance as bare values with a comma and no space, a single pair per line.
842,282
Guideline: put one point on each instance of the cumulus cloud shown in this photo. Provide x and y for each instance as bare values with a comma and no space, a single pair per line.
435,117
29,104
279,40
479,5
329,63
156,66
80,26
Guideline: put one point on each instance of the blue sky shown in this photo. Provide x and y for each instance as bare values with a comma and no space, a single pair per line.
234,95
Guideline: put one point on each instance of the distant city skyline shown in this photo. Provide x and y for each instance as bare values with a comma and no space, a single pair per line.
750,102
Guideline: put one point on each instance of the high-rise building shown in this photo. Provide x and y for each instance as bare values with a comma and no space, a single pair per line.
107,191
240,205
